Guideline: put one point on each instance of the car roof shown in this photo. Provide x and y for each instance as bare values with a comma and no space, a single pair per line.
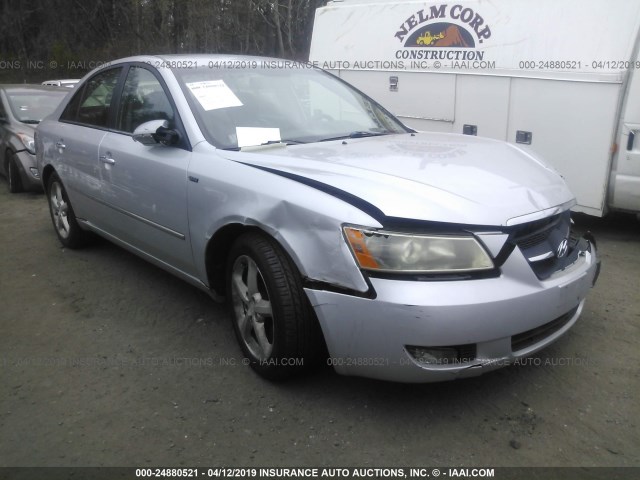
200,57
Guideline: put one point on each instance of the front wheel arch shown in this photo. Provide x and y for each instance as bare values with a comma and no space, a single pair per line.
217,252
12,172
218,249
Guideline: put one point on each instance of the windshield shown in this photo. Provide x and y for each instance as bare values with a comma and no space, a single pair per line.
34,106
243,107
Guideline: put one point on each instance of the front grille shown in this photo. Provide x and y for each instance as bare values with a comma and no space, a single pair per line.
533,240
539,242
531,337
466,352
535,233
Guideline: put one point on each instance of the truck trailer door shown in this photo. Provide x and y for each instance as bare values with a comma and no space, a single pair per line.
625,175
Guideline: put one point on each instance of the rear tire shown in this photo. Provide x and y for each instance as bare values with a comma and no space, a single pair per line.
272,317
64,220
13,175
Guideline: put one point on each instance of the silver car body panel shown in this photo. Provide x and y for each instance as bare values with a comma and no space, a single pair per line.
138,212
230,192
74,153
166,204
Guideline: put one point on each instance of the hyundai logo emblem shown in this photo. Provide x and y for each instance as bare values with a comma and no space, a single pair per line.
562,248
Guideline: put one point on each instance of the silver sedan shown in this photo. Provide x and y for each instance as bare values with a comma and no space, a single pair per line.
327,224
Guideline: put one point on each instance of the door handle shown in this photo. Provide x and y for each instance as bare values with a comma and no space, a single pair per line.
60,145
632,137
106,159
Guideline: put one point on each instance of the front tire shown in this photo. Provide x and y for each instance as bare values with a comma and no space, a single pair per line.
64,220
272,318
13,175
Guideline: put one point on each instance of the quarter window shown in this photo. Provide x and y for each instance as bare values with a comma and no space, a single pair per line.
143,100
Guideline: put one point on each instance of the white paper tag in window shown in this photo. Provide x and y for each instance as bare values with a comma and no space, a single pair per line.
214,94
252,136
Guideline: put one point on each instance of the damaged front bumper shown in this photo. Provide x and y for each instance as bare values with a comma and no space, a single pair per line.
28,170
425,331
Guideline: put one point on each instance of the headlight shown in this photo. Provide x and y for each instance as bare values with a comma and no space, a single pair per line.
404,253
28,142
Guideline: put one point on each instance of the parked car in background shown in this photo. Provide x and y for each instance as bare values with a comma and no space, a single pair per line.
69,82
414,257
22,107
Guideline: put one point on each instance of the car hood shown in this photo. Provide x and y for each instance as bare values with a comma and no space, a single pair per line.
425,176
27,128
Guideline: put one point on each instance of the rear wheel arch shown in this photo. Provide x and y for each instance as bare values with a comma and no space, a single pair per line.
46,174
67,229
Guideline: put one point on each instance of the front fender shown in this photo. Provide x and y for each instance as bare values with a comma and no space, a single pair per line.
307,223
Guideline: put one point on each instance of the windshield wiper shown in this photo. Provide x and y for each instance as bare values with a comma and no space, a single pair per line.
30,122
270,142
356,134
288,142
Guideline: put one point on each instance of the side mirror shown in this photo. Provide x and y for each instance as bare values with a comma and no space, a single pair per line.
156,132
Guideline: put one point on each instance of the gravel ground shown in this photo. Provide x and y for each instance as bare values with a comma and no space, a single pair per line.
109,361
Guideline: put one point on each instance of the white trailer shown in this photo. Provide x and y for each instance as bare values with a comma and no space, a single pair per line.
559,77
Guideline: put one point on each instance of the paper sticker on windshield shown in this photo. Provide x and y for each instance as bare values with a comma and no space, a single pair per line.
214,94
251,136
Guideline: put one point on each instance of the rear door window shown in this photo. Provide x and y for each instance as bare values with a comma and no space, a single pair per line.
91,105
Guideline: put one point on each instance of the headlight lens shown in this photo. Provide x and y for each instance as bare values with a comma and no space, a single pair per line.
28,142
404,253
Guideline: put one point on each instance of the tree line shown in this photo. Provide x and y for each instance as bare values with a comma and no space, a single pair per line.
43,39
